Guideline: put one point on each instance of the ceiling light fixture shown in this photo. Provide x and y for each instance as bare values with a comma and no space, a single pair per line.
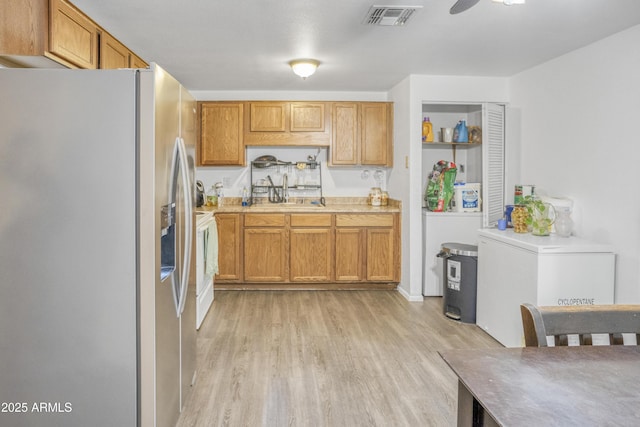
509,2
304,67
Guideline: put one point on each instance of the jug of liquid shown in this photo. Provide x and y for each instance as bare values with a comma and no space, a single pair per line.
460,133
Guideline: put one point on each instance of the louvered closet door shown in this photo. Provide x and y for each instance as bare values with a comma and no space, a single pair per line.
493,163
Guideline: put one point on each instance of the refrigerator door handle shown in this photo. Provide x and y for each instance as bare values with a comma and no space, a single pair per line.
188,235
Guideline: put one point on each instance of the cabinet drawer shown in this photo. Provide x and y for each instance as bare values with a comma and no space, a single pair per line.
364,220
264,220
311,220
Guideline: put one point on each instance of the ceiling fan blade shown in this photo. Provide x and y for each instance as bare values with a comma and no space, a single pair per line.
462,5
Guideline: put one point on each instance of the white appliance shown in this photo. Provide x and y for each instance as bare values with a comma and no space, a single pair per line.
97,307
439,228
206,241
518,268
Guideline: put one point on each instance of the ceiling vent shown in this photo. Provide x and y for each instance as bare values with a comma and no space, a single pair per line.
389,15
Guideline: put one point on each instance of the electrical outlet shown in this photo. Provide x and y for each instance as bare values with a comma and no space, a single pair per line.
226,182
461,167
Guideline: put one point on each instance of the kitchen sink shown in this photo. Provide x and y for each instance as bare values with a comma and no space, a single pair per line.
287,206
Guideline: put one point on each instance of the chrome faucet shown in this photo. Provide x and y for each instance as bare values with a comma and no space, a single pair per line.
285,188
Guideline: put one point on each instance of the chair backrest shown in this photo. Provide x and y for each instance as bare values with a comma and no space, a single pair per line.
582,321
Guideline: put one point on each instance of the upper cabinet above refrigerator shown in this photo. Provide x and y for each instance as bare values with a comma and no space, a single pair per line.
480,159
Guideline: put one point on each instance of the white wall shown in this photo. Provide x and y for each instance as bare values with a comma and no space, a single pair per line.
580,138
408,96
344,181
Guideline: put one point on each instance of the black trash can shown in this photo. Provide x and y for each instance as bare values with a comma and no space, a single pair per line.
460,280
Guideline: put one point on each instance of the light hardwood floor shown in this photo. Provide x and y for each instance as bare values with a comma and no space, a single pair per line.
326,358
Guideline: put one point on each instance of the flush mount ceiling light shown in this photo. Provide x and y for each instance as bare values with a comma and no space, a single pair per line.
304,67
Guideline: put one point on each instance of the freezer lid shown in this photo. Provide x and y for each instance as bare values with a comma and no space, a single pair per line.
544,244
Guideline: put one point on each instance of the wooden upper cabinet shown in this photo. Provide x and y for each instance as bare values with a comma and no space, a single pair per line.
376,133
221,134
137,62
23,28
113,54
307,117
268,116
362,134
73,36
33,32
345,133
288,123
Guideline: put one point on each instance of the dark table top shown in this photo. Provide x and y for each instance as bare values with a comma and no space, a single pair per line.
553,386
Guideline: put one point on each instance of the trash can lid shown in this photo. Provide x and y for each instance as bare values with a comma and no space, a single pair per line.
459,249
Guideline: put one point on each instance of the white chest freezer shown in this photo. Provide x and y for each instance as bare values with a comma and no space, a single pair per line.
542,270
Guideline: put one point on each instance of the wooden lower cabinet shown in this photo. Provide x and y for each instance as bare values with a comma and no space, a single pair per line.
349,255
265,255
229,244
311,255
367,247
380,254
265,248
308,251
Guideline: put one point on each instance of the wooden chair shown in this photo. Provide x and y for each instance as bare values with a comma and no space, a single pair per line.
583,321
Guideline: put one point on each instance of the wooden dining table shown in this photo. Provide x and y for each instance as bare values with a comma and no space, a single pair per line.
548,386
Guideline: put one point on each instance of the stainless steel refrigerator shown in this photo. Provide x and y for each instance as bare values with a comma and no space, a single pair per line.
97,306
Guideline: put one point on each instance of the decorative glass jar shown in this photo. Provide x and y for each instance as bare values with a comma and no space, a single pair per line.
519,217
564,223
543,215
375,196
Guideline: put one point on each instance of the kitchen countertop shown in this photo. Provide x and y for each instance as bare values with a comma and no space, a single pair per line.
333,205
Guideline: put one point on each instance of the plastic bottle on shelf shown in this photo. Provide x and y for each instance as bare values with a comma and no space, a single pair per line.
427,130
460,133
245,197
220,194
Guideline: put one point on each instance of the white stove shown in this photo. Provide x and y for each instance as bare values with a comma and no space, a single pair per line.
206,251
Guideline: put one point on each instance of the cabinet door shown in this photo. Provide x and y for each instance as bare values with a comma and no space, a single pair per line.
376,134
307,117
229,260
380,254
349,254
492,164
310,251
345,133
113,54
23,27
137,62
221,137
265,255
73,36
268,116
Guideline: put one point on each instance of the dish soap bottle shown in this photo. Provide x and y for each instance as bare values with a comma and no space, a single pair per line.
427,130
